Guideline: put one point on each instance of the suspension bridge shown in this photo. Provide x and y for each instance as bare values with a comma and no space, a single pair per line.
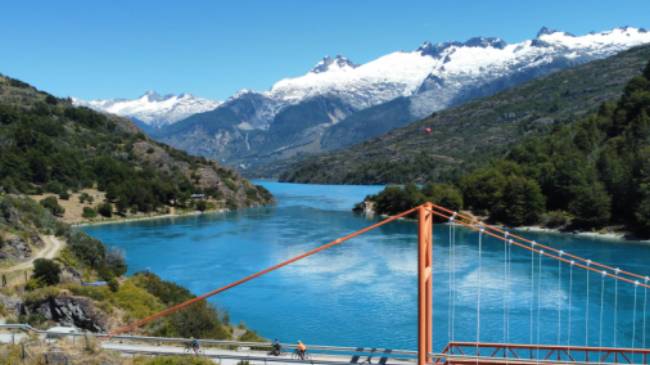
566,349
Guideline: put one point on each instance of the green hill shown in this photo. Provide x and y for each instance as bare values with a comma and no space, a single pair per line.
588,174
467,136
48,145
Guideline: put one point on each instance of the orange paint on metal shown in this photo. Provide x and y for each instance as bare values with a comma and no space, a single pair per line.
425,283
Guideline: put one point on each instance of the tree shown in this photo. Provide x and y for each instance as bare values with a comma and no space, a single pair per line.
52,204
444,194
522,202
642,211
395,199
591,206
46,271
483,188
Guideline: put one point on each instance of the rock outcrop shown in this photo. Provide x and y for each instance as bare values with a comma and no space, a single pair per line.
68,310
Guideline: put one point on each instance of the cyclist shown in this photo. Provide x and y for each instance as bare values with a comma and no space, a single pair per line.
276,348
196,347
301,350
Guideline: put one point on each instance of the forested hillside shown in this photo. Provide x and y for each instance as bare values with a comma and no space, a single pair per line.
55,292
49,145
443,146
587,174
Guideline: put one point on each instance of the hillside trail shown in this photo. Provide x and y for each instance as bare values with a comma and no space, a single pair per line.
53,245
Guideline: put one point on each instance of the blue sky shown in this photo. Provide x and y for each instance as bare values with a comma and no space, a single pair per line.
104,49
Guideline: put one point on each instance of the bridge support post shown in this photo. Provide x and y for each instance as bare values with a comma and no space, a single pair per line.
425,283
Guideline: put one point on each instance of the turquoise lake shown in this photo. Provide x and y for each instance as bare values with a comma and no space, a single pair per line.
363,293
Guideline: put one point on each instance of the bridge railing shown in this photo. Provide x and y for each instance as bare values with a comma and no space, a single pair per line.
362,352
469,352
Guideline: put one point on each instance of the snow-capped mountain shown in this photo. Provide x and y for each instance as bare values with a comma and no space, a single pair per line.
442,71
296,113
153,109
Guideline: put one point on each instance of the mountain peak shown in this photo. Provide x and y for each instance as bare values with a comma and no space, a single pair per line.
151,95
434,50
544,31
547,31
328,63
485,42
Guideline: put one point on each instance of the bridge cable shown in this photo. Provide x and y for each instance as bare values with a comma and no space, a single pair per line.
491,229
587,307
508,287
559,301
539,301
636,286
645,307
602,305
450,264
532,291
570,309
505,281
478,295
616,308
453,278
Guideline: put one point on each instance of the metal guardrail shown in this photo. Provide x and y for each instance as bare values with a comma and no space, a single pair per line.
319,349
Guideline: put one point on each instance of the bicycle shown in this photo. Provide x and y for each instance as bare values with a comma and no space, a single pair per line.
191,347
297,355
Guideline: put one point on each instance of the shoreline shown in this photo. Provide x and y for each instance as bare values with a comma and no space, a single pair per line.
618,236
606,236
149,217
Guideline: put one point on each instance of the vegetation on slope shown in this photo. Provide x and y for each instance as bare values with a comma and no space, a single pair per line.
464,137
48,145
60,283
588,174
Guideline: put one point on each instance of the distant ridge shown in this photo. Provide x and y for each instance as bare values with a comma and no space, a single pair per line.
463,136
332,106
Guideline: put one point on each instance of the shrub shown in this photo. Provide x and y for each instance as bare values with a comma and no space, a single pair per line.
93,254
46,271
201,205
105,209
85,197
89,213
64,195
113,285
53,206
557,218
172,360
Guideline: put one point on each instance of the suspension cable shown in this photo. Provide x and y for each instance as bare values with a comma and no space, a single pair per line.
473,225
532,291
570,310
636,286
602,305
453,278
478,295
541,246
587,308
450,266
616,308
559,301
645,307
539,300
505,283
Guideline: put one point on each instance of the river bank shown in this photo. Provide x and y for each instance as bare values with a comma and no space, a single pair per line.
118,220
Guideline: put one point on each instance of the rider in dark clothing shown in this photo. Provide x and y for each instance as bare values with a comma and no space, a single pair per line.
276,348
